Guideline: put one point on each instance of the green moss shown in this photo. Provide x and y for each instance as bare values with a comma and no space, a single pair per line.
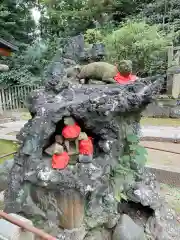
25,116
6,147
160,122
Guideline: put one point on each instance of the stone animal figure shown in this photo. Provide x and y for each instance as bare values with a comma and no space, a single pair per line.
102,71
72,72
125,67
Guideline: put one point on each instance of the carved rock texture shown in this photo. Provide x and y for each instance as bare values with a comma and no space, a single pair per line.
78,200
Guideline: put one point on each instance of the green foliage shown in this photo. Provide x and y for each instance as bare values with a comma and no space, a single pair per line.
137,153
126,8
16,22
18,74
133,154
6,148
26,67
93,36
99,20
18,27
65,18
165,14
69,17
143,44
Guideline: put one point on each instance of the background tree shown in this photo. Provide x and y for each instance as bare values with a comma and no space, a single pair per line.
145,45
70,17
165,14
98,20
16,21
18,27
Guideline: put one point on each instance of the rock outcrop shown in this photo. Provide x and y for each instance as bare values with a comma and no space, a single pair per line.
78,202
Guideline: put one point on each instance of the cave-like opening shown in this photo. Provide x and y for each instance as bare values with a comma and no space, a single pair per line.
136,211
83,129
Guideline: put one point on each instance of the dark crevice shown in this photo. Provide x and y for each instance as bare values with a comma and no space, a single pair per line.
58,131
33,114
128,207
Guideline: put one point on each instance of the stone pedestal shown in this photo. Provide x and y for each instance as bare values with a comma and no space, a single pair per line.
81,199
176,86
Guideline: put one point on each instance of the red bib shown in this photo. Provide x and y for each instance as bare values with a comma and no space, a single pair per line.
71,131
125,79
60,161
86,146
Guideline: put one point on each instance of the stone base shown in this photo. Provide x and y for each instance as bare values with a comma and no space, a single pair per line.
124,229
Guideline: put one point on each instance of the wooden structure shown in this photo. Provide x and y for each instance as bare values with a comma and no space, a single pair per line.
13,98
6,48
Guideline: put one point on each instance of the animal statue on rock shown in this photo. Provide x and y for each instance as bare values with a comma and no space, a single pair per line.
102,72
85,198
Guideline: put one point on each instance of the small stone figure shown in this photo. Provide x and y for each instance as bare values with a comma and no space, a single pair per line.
71,133
59,139
73,71
85,148
125,75
60,160
55,148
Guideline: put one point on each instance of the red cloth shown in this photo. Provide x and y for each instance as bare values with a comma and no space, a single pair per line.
60,161
71,131
86,146
124,79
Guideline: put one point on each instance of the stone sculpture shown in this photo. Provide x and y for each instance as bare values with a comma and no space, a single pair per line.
79,202
125,67
55,148
72,145
102,71
85,148
72,72
71,133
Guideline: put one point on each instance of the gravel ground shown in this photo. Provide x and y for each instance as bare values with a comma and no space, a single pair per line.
172,196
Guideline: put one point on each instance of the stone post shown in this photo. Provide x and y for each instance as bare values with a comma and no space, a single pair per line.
176,85
173,81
